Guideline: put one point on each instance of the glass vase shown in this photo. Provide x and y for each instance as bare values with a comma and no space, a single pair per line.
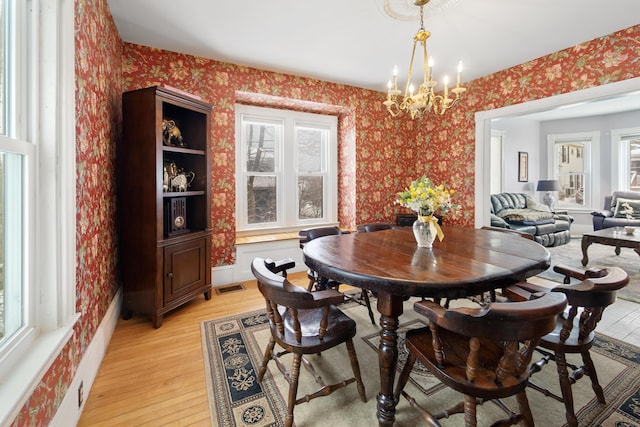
422,232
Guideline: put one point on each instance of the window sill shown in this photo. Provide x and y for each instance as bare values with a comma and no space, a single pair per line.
245,240
23,379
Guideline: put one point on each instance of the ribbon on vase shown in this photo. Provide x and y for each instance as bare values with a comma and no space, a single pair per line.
434,227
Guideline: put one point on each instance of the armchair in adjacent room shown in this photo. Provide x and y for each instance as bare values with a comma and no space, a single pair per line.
613,213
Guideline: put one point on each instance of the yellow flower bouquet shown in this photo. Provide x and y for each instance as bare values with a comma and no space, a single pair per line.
428,201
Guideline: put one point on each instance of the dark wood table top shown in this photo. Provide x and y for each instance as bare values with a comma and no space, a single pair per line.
467,262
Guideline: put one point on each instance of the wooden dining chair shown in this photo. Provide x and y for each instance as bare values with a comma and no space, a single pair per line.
318,282
373,226
574,331
482,352
302,323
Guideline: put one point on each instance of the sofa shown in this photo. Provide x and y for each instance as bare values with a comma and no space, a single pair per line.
612,214
518,211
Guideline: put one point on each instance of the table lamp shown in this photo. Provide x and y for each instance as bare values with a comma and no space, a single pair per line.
548,185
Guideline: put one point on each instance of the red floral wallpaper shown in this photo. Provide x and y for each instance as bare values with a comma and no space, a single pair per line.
378,155
98,118
363,126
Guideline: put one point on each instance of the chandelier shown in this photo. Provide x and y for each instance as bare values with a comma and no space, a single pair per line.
425,100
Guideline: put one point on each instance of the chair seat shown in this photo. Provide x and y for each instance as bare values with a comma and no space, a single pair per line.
572,344
342,328
454,374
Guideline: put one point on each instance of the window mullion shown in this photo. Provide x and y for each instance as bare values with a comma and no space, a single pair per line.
287,172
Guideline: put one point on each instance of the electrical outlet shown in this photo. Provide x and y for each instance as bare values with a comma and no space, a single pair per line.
80,394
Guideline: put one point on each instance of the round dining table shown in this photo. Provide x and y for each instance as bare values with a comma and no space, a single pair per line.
466,262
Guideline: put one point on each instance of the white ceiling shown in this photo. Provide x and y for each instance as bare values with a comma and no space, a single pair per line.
355,42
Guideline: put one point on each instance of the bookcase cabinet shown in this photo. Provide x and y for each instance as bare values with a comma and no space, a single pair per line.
164,201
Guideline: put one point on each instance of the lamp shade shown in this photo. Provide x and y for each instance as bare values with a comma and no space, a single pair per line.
548,185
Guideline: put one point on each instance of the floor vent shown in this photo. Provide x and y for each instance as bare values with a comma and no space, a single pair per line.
229,288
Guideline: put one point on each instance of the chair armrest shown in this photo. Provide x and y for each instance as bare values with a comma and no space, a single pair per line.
327,297
602,213
563,217
280,265
429,309
570,272
524,291
496,221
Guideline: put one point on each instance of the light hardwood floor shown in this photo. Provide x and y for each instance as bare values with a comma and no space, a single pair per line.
155,377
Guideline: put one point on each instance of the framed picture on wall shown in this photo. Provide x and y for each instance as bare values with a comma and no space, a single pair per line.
523,166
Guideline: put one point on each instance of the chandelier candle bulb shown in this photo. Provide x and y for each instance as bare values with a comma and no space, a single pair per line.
459,72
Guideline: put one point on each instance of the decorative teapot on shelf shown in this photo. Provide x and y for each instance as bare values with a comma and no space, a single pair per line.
182,181
175,179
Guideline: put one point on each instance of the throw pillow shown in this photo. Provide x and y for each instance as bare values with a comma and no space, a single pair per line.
526,216
620,208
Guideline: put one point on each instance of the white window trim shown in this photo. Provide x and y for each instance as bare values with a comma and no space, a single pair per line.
285,224
51,210
592,185
620,156
497,161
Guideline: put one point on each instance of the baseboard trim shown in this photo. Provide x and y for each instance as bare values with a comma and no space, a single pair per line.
69,412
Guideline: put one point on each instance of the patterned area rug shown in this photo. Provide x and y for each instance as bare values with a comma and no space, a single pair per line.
599,256
233,348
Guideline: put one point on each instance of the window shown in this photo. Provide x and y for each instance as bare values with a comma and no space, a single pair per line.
625,144
286,169
573,167
37,204
16,171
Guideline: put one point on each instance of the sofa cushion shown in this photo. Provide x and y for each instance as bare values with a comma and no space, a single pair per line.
526,216
620,208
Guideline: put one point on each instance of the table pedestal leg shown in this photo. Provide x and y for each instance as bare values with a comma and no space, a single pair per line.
390,308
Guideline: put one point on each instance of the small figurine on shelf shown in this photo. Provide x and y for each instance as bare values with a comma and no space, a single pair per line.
171,135
165,179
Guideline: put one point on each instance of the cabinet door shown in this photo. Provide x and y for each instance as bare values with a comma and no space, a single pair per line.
184,268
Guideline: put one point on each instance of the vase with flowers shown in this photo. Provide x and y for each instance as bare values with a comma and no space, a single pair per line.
428,201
